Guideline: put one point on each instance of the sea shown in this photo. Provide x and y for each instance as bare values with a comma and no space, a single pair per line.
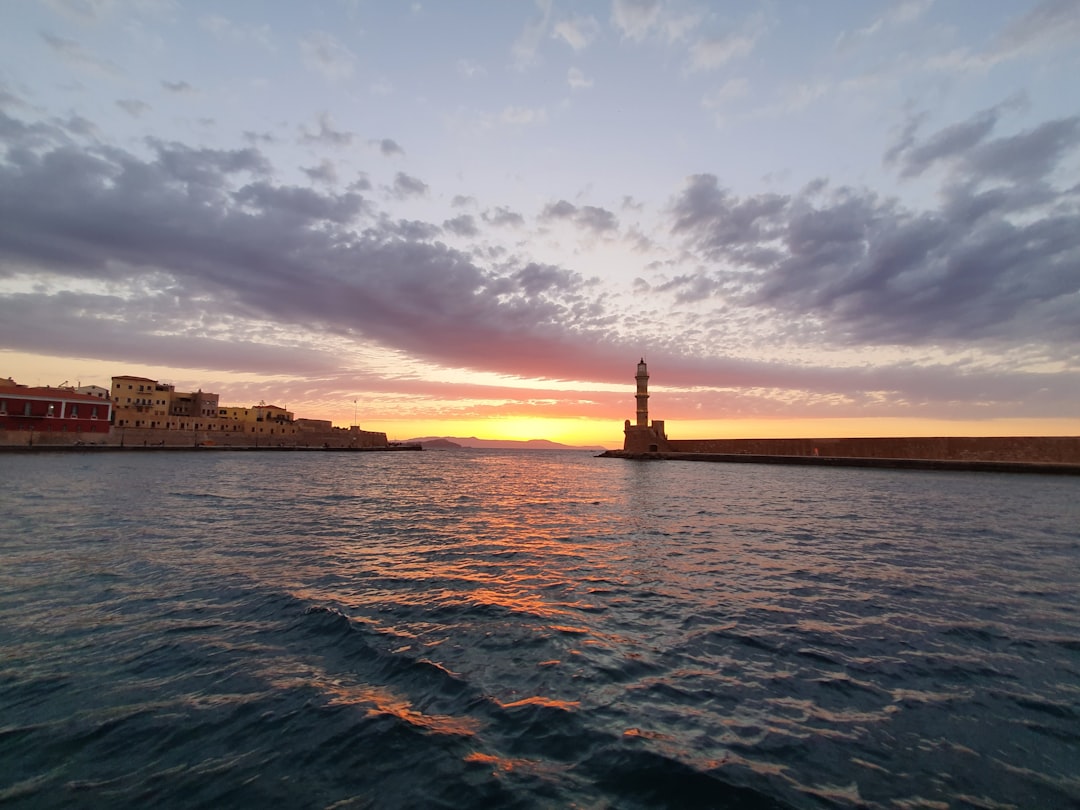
533,629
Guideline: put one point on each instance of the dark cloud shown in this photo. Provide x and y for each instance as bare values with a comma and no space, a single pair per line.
967,149
388,147
361,183
207,245
412,230
178,87
502,216
323,173
205,225
558,210
1029,156
327,134
954,140
462,201
597,219
167,329
133,107
996,265
406,186
589,217
463,225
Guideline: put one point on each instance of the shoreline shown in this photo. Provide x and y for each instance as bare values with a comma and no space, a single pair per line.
949,465
119,448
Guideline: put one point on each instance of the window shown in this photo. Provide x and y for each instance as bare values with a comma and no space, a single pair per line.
93,413
51,410
3,406
74,412
26,409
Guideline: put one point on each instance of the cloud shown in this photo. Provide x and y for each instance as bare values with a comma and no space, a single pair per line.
133,107
945,144
714,52
177,87
967,150
588,217
502,216
388,147
576,79
68,322
323,53
991,266
327,134
1049,24
406,186
470,69
899,14
210,225
635,18
577,32
78,56
528,42
323,173
463,225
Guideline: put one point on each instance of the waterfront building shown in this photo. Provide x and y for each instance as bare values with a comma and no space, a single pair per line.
140,402
198,405
51,410
94,391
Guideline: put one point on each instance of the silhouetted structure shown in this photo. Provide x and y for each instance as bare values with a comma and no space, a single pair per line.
645,440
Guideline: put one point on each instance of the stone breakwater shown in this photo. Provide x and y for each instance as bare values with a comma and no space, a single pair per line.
334,438
1044,454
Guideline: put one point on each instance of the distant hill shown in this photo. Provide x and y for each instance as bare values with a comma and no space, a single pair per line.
454,442
436,444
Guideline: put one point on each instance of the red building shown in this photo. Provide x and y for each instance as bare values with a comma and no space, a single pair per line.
52,410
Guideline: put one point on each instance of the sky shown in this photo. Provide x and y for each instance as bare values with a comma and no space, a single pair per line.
820,218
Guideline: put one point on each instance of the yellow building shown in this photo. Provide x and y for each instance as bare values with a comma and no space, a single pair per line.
140,402
262,420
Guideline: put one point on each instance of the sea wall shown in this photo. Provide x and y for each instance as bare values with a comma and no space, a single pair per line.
1028,449
157,437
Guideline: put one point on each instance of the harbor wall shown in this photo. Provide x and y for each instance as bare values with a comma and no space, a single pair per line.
1029,449
338,438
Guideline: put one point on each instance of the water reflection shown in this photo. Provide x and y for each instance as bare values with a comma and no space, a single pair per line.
568,621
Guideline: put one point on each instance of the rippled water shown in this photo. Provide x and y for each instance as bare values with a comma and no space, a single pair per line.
473,629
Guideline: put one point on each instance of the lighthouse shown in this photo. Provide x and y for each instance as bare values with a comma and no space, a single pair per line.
641,437
642,394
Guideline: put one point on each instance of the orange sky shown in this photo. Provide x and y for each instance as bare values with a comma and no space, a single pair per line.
569,413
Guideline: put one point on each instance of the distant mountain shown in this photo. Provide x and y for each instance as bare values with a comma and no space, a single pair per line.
454,442
436,444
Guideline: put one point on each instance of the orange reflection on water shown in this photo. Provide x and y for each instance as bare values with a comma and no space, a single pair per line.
383,702
506,764
518,601
378,701
564,628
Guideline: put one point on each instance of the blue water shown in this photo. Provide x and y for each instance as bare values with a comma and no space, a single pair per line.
544,629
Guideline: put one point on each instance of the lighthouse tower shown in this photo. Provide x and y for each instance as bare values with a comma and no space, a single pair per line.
642,394
643,437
